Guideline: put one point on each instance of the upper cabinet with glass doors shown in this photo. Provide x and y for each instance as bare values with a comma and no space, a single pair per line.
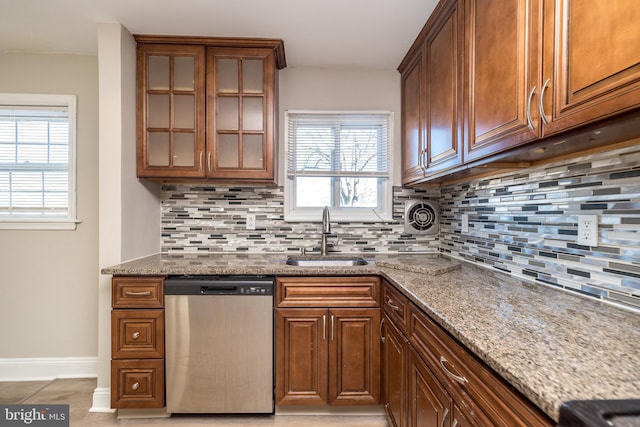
171,138
206,108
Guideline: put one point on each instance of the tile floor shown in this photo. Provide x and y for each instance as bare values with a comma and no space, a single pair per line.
78,393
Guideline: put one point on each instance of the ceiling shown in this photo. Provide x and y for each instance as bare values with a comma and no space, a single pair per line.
321,33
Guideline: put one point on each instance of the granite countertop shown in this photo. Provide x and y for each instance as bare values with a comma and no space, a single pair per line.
550,345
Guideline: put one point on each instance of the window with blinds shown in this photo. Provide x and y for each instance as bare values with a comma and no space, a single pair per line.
340,160
37,161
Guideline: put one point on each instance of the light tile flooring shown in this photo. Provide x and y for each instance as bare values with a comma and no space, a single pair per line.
78,393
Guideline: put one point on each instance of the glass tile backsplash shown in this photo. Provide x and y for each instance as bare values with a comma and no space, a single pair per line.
523,223
210,219
526,223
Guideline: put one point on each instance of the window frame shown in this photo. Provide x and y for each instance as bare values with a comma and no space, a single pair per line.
383,213
69,222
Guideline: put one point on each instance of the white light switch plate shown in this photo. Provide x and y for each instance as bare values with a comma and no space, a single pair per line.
465,223
588,230
251,221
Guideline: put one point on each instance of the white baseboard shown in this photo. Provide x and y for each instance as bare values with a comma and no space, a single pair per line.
48,368
101,400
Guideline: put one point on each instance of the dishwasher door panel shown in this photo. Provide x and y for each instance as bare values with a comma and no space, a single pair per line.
219,354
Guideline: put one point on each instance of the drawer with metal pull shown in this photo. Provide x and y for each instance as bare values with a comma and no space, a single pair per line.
137,334
138,292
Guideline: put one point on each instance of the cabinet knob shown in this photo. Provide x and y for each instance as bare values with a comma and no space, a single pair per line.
136,335
135,386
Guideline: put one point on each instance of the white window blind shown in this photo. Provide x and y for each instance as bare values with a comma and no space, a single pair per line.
339,145
341,160
37,153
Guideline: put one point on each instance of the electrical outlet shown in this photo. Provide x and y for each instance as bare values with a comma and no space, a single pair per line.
251,221
465,223
588,230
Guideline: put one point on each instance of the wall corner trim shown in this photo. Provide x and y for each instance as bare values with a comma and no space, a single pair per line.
102,401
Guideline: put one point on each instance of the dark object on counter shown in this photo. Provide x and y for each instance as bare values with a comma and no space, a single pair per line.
597,413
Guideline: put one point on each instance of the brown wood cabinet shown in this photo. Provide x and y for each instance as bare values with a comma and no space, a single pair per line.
327,351
207,108
431,379
591,62
431,96
137,342
394,368
533,71
502,74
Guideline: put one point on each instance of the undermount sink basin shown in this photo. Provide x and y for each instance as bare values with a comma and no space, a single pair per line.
326,262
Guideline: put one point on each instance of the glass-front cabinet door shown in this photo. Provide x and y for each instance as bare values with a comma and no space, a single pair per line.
240,113
171,130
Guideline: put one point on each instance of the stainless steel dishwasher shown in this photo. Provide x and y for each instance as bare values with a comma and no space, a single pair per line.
219,344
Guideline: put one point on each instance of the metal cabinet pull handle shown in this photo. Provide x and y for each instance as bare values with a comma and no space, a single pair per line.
382,338
455,423
457,378
137,294
530,123
135,386
135,335
324,327
444,416
209,162
423,161
390,304
201,154
541,103
332,319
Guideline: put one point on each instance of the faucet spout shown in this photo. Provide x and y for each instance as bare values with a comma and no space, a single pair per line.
326,220
326,230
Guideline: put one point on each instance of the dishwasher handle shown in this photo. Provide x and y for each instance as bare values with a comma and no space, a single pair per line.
218,290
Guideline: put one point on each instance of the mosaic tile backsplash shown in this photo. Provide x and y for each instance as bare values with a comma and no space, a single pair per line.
203,219
525,223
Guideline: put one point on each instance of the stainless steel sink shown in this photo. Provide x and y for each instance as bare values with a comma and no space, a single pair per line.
326,262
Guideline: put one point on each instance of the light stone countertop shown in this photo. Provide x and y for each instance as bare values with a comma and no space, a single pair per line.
550,345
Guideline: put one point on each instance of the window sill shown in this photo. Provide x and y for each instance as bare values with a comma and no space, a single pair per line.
368,215
38,224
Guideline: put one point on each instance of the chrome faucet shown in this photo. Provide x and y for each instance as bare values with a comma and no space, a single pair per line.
326,230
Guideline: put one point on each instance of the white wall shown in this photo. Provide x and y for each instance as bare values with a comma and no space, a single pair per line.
48,282
340,89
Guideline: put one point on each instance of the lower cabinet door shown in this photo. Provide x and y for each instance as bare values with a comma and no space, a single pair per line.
429,403
301,356
354,356
137,383
394,369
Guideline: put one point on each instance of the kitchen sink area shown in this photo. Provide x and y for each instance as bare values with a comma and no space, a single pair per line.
326,261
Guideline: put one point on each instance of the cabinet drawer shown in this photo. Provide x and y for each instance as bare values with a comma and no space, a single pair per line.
468,378
137,334
137,383
396,306
137,292
328,292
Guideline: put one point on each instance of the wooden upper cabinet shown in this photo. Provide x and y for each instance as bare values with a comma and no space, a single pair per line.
443,105
431,77
412,78
591,62
502,74
171,135
241,113
207,108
